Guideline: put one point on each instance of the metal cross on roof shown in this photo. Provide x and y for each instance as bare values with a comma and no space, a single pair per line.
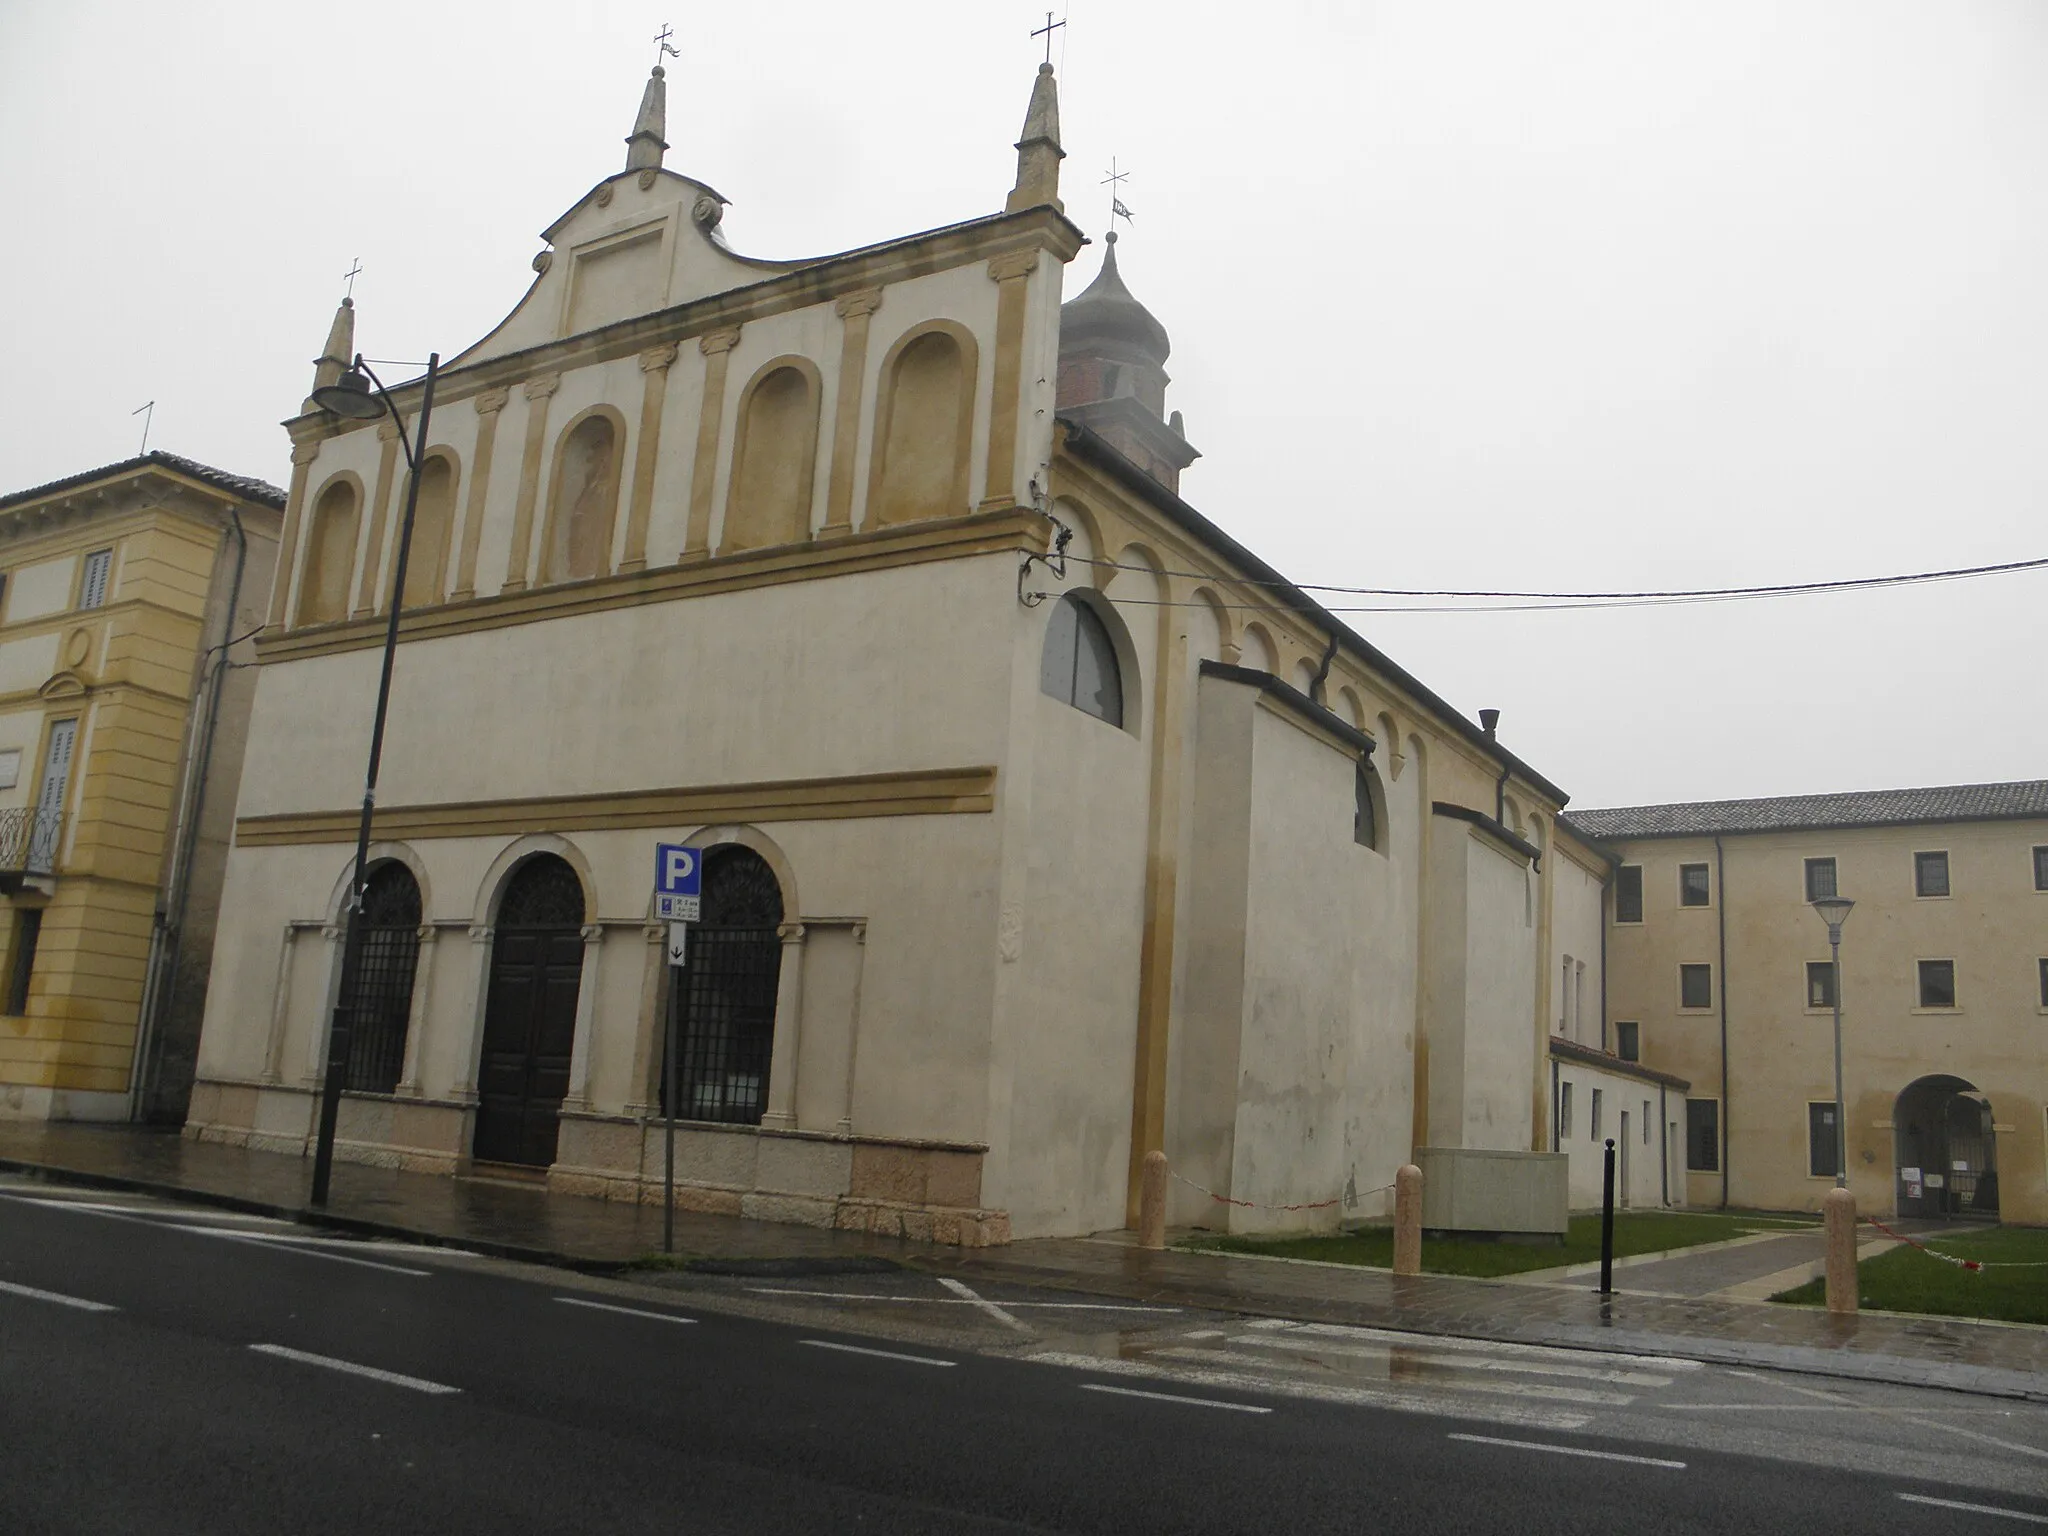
663,47
1114,181
1046,32
350,276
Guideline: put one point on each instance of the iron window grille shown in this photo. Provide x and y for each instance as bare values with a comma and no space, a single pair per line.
1703,1135
1820,880
381,1005
1695,887
1820,1140
726,992
28,929
1628,894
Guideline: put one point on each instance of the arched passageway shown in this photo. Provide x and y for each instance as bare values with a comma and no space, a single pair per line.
1947,1153
530,1018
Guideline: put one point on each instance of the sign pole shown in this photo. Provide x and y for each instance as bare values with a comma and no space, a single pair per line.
668,1156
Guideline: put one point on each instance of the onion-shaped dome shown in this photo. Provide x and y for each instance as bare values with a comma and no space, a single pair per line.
1106,318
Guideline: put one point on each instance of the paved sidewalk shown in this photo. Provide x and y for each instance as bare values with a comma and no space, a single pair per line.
513,1221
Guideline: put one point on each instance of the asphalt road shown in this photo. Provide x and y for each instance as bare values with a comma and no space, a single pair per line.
171,1371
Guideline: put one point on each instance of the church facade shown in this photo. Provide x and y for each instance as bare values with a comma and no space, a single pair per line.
1043,823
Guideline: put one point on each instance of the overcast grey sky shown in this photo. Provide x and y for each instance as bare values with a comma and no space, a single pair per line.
1527,294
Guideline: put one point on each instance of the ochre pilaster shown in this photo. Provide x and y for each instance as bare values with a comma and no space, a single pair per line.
654,366
488,404
1009,274
303,455
717,349
537,392
855,310
387,471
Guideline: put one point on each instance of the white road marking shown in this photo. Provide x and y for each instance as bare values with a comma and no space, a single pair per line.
278,1242
879,1354
1432,1341
968,1295
1267,1384
1975,1509
63,1301
1173,1397
1572,1450
955,1301
389,1378
1454,1361
1587,1395
605,1306
1905,1417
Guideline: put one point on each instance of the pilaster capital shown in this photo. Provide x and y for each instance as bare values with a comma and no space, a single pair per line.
593,933
790,933
654,933
850,306
1007,269
330,933
387,430
657,359
305,453
541,385
711,343
480,934
426,933
491,401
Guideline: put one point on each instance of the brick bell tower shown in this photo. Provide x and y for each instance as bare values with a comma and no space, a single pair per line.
1113,375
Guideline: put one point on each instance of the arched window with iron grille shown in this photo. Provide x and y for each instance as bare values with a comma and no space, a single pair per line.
726,992
382,1001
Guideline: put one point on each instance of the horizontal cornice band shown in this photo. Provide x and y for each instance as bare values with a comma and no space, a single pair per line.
915,792
1019,529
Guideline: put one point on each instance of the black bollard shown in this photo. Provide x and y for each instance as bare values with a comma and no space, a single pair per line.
1607,1224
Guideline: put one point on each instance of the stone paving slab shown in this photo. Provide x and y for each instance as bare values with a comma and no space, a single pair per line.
512,1221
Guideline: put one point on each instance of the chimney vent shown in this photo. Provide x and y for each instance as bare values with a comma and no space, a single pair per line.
1489,720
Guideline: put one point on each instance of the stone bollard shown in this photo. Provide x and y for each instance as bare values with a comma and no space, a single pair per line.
1839,1208
1152,1201
1408,1220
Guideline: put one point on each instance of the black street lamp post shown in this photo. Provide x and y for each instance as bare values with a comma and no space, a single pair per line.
352,397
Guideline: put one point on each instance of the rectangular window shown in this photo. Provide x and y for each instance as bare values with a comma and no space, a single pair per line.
1628,894
1820,984
1703,1135
1694,888
1595,1117
1820,879
1820,1140
2044,983
1937,983
1646,1122
28,928
1695,986
1564,997
92,588
1564,1110
1930,874
2040,867
1628,1040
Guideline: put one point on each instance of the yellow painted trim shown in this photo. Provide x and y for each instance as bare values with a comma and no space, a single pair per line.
489,403
957,538
916,792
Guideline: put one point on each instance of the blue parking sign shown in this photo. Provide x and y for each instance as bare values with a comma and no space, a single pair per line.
678,882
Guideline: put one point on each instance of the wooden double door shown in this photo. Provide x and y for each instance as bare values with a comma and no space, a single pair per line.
530,1015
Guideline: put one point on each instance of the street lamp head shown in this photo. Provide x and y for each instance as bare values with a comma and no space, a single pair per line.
350,396
1833,910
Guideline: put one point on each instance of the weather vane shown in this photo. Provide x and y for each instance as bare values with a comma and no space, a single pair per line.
349,276
1114,181
1046,32
663,47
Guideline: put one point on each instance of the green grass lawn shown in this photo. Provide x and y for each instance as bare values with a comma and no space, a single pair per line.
1906,1281
1634,1232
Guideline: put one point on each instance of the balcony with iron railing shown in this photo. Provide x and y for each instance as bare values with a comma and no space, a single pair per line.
30,836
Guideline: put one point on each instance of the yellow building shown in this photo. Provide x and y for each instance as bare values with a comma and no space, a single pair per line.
121,728
1718,969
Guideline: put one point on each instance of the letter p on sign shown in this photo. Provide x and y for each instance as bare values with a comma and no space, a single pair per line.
678,882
